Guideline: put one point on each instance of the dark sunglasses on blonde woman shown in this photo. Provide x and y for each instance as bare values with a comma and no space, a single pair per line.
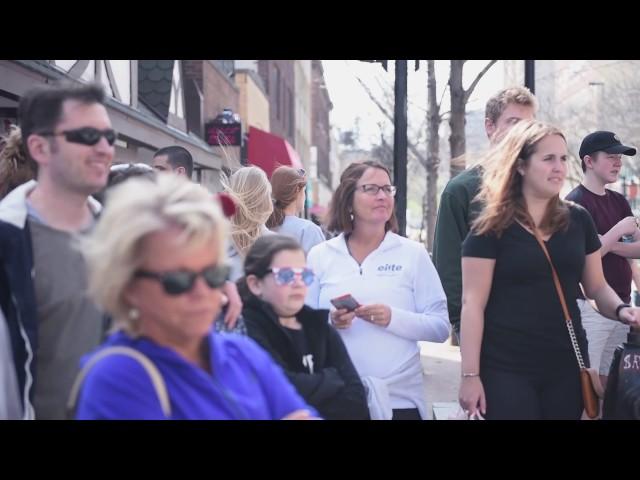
182,281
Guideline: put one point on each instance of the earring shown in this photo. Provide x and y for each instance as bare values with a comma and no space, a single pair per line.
134,314
351,216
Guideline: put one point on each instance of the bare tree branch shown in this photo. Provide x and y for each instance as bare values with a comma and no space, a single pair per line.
382,108
469,90
385,111
443,94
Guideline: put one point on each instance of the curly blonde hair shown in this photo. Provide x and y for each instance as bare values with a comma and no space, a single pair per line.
250,189
16,167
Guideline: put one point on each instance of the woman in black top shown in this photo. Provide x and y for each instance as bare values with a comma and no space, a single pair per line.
517,357
298,337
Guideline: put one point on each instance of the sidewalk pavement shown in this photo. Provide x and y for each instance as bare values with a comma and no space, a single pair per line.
441,367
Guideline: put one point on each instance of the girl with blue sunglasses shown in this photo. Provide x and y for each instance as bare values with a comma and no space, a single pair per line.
299,338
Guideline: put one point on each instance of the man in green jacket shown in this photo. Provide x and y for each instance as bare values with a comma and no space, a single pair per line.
457,211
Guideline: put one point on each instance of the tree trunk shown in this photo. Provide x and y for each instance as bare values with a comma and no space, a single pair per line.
433,149
457,121
457,139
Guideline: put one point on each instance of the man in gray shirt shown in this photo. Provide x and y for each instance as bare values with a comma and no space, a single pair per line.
51,321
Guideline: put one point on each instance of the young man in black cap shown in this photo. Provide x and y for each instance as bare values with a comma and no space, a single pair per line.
601,154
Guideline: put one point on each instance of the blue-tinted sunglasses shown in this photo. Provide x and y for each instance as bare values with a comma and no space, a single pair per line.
287,275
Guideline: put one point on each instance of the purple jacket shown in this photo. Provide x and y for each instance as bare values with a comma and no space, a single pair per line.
245,384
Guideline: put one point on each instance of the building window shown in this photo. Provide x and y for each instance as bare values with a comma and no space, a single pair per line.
65,65
227,66
176,105
278,92
121,80
291,112
265,77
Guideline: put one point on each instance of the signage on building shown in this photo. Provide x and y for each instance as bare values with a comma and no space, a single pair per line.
225,134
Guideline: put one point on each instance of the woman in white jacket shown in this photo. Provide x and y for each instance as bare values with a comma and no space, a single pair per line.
394,281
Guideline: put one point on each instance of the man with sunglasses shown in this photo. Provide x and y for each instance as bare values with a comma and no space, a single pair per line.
51,322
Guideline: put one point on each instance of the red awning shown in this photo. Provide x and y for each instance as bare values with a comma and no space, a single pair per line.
269,151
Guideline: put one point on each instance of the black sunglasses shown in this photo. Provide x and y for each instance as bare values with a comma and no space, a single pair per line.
86,135
182,281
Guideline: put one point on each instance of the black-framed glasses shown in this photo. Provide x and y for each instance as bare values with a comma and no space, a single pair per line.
182,281
287,275
372,189
85,135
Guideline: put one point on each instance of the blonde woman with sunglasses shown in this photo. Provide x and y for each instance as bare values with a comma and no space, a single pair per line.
159,274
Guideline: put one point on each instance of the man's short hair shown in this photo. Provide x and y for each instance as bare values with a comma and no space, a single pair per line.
177,157
497,104
40,109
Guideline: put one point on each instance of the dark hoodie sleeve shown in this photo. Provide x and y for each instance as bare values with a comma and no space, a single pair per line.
316,388
351,402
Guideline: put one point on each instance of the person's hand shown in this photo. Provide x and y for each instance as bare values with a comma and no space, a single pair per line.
630,316
627,226
377,313
471,396
342,318
234,307
300,415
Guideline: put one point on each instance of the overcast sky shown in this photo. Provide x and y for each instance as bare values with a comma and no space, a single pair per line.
350,101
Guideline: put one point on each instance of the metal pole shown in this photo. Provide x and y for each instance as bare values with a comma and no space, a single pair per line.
530,75
400,145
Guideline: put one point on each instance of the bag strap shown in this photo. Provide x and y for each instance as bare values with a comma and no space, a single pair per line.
156,378
563,303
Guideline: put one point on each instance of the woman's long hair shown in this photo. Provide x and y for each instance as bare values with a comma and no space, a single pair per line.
501,191
250,190
286,184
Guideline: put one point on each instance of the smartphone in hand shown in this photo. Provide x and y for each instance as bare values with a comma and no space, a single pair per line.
345,301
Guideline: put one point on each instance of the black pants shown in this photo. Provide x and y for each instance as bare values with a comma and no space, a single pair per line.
406,414
519,396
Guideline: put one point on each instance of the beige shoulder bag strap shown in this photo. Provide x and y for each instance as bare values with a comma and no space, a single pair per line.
153,372
591,404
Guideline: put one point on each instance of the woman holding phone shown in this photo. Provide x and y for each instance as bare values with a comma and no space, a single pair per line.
394,282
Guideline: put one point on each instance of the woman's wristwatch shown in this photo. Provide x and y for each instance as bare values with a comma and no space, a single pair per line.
620,307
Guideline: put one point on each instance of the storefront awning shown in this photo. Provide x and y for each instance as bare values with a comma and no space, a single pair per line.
269,151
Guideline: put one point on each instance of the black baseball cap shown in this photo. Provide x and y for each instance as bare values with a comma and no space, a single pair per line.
602,141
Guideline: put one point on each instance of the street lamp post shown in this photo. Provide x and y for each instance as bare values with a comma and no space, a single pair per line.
400,140
400,145
599,95
530,75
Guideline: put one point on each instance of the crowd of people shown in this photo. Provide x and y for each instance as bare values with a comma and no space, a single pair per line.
128,291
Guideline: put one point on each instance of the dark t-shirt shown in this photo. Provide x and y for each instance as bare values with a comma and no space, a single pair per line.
607,210
524,326
299,339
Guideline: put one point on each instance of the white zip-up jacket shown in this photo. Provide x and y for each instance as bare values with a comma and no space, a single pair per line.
400,274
